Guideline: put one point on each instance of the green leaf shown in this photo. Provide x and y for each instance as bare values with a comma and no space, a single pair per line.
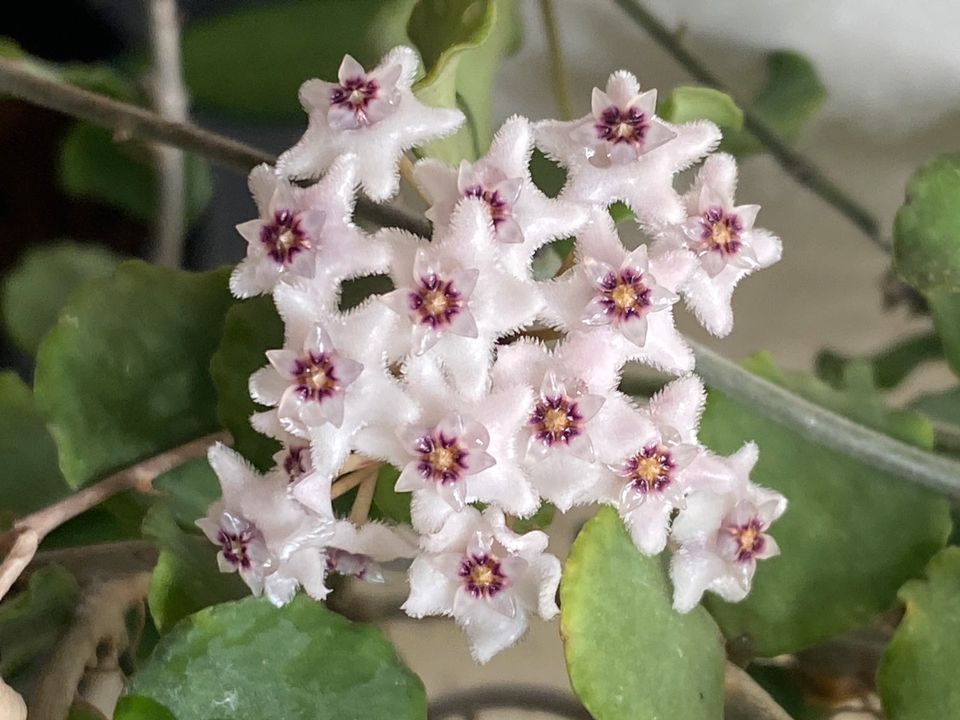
189,489
388,503
917,678
298,661
540,520
926,232
944,406
124,373
889,367
138,707
31,478
94,167
186,577
251,328
945,309
249,63
38,287
31,622
687,103
629,653
790,97
443,31
841,562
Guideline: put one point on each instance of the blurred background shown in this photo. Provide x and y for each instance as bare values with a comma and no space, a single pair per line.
891,102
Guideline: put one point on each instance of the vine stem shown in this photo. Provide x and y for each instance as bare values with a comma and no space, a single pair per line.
826,428
558,71
794,163
29,531
130,121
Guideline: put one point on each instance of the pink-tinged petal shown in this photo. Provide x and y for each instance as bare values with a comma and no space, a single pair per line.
589,405
509,189
468,176
254,275
431,592
453,494
747,215
465,281
744,459
680,405
464,324
581,447
389,76
397,300
331,408
660,298
232,469
284,362
635,330
673,267
600,101
622,87
350,69
424,338
474,435
490,631
658,134
719,171
595,313
692,571
347,370
714,197
648,524
770,548
637,260
619,154
262,182
766,246
267,386
342,118
509,232
713,263
250,231
701,518
410,479
646,102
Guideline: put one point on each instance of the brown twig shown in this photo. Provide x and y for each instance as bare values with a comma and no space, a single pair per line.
361,504
29,531
130,121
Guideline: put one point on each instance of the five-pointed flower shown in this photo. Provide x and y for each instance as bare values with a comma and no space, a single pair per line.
623,298
523,218
723,238
273,542
373,115
305,233
721,535
621,151
488,577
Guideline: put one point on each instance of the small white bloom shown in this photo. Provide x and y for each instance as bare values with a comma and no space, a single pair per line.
721,535
723,238
487,577
269,538
621,151
373,115
623,298
524,219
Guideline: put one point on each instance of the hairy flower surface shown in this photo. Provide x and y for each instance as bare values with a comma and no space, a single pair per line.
487,577
373,115
360,551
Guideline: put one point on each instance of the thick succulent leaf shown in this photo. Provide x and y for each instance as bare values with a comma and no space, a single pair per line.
842,562
630,655
889,367
926,233
299,661
945,309
917,678
790,97
188,490
232,66
687,103
124,374
388,504
251,328
39,286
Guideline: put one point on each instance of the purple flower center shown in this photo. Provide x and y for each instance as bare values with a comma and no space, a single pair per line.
650,470
623,294
315,376
748,537
235,546
720,231
556,419
441,458
355,95
622,126
296,463
500,207
284,237
435,301
482,575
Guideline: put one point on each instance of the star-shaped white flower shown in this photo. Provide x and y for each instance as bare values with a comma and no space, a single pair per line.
621,151
326,383
723,238
457,450
524,219
487,577
454,297
359,551
373,115
269,538
722,535
305,233
572,425
625,299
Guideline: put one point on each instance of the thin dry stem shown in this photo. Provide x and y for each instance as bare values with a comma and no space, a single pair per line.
361,504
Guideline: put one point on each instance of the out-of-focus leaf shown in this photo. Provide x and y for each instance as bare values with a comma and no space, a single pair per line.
630,655
138,707
355,291
95,167
783,686
688,103
249,62
38,287
791,96
388,503
945,309
540,520
31,622
189,490
298,661
841,564
889,367
917,678
124,375
251,328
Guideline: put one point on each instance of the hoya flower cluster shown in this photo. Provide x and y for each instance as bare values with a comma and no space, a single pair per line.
443,376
